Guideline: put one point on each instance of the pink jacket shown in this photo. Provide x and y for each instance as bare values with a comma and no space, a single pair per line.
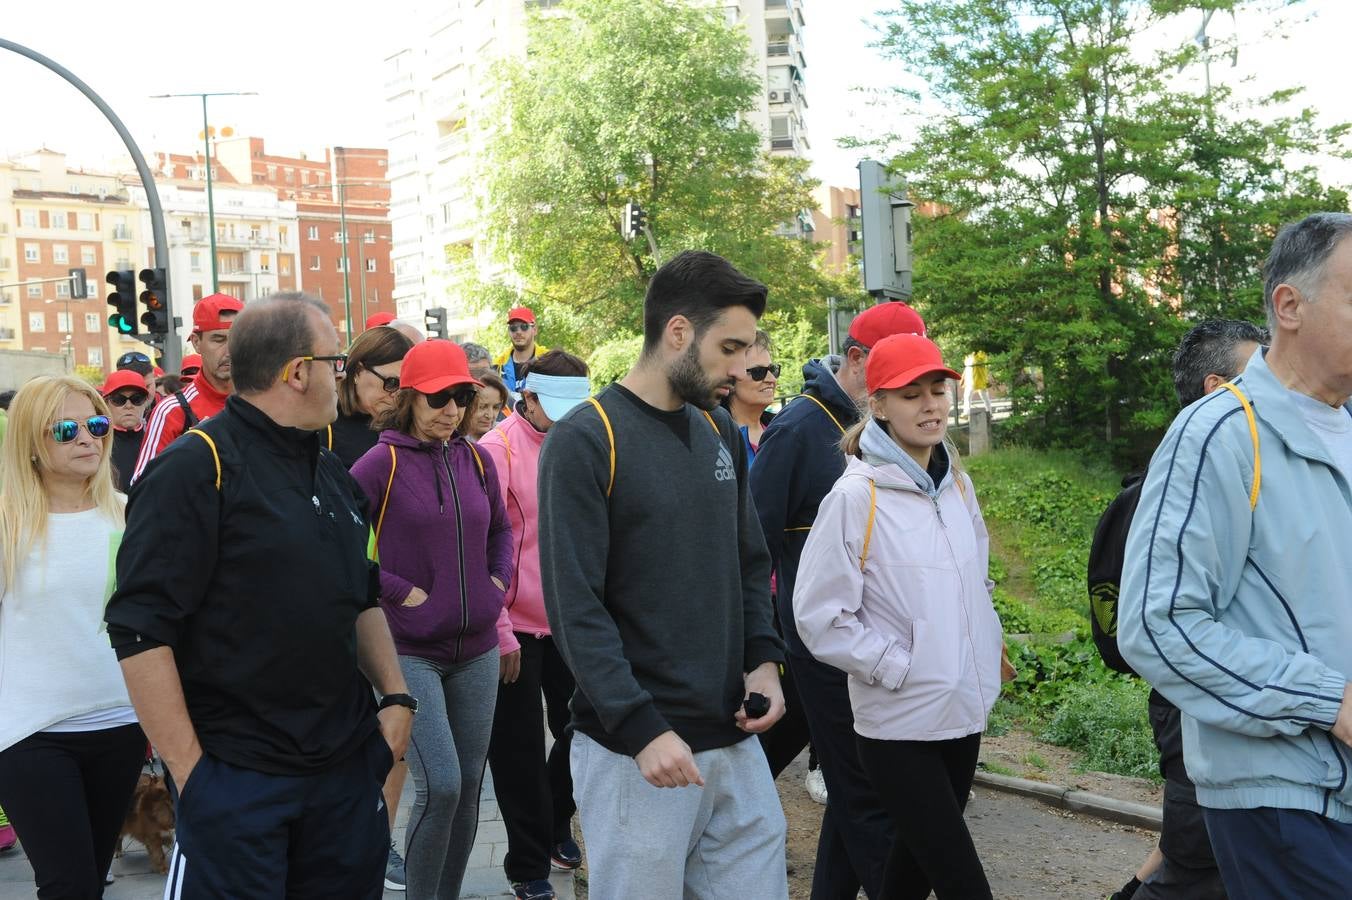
514,446
915,630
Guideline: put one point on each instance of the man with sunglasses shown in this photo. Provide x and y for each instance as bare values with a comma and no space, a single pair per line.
521,330
127,397
205,396
798,461
251,647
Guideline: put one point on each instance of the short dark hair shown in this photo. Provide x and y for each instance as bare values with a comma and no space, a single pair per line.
378,346
700,286
1299,253
555,362
5,398
269,333
1211,348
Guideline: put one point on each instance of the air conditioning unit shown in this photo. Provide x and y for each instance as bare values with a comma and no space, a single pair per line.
777,96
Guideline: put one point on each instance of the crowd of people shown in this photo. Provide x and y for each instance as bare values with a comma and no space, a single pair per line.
300,573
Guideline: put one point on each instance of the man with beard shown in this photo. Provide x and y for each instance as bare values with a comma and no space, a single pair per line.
205,395
656,584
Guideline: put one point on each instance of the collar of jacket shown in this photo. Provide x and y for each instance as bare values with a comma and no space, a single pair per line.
1271,404
292,441
205,388
408,441
819,380
880,451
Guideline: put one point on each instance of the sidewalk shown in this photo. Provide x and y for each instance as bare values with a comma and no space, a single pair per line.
135,881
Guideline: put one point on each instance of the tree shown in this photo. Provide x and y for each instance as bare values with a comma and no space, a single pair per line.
631,100
1090,210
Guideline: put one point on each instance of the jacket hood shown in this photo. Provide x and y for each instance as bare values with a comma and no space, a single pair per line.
880,450
819,379
400,439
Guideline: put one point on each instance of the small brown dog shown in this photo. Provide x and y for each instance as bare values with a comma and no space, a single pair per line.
150,820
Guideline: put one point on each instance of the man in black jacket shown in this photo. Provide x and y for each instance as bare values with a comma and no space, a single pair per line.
798,461
246,623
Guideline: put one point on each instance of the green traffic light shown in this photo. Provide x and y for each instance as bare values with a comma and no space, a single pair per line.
118,321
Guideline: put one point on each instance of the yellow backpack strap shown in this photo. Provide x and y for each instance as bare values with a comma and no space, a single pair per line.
610,435
1253,435
215,454
828,412
373,551
329,431
868,529
712,423
478,460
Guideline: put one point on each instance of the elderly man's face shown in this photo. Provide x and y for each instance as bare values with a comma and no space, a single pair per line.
1325,334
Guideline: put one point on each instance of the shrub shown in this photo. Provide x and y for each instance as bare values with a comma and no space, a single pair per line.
1107,723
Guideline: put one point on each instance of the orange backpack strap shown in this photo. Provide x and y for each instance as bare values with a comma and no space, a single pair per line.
373,551
868,529
830,415
610,435
1253,436
215,454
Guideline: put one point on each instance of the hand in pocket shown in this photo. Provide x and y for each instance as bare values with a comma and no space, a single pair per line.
416,597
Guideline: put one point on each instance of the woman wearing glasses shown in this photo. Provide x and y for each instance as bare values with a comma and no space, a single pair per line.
70,747
753,394
367,390
444,543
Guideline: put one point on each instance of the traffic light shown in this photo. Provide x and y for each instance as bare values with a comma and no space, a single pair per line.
123,299
633,221
79,287
156,316
436,322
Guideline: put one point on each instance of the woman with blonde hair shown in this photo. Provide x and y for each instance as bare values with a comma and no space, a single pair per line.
893,590
70,746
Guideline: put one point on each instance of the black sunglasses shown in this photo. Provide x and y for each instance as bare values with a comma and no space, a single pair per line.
67,430
758,373
389,382
123,399
464,396
520,326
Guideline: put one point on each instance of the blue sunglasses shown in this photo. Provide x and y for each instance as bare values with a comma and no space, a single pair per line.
68,430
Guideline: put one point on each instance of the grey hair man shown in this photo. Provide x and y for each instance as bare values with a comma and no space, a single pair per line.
1252,641
480,360
250,651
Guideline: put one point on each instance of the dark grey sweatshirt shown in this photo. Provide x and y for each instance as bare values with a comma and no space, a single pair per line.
658,596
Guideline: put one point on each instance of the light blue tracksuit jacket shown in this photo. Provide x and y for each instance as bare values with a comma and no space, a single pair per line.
1243,617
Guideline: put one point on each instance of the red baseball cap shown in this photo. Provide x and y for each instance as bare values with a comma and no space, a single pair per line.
899,359
435,365
520,314
375,320
191,361
121,380
206,315
878,322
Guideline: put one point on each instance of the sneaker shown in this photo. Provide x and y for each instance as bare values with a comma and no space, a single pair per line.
534,890
567,855
7,836
395,879
816,786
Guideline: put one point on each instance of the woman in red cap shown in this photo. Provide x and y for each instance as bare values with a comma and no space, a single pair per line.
893,590
444,543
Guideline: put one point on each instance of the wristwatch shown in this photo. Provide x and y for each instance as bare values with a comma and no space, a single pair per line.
405,700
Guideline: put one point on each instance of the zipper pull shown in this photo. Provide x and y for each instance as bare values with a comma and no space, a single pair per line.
315,501
938,512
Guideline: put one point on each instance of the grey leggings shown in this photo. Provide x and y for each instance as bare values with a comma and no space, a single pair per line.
446,757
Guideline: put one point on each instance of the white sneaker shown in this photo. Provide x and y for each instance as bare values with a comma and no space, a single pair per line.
816,786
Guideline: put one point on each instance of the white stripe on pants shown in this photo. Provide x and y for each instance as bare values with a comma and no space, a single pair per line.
725,840
178,863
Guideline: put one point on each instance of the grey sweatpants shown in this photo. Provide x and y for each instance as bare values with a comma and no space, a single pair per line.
446,757
724,840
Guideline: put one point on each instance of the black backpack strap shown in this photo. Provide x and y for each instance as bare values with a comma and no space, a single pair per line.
1107,554
189,417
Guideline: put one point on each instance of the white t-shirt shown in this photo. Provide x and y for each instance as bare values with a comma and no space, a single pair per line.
57,671
1334,427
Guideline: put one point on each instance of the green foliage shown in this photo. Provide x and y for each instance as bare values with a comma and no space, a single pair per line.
92,374
615,357
630,100
1086,210
1109,725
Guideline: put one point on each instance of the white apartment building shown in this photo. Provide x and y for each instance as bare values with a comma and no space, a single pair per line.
435,92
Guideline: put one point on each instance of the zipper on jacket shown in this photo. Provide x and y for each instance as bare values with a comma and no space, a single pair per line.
460,550
962,605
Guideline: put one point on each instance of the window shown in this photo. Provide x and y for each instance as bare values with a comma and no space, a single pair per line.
29,218
35,292
31,253
89,256
445,213
265,262
92,324
369,237
272,173
85,221
282,234
196,292
370,265
314,264
284,265
37,322
312,232
340,237
63,290
341,267
195,260
74,188
290,176
95,356
254,233
63,322
60,254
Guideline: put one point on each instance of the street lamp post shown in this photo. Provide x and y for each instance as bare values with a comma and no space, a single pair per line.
206,142
342,185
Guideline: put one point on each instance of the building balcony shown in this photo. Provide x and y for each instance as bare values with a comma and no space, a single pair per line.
6,263
121,233
7,334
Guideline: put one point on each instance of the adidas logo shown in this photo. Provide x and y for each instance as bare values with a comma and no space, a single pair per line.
723,468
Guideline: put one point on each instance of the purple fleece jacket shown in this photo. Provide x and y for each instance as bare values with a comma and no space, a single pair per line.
446,531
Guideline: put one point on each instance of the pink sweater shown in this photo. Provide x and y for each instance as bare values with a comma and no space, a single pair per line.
514,446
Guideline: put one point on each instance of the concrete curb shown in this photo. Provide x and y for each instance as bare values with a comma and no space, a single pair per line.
1125,812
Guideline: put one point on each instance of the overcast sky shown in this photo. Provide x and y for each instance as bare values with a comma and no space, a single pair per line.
319,76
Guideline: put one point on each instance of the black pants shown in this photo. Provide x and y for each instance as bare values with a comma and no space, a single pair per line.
790,734
66,795
1189,869
535,793
243,834
924,785
1276,854
856,832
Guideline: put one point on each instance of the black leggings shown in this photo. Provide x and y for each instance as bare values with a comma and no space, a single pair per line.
66,795
924,785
